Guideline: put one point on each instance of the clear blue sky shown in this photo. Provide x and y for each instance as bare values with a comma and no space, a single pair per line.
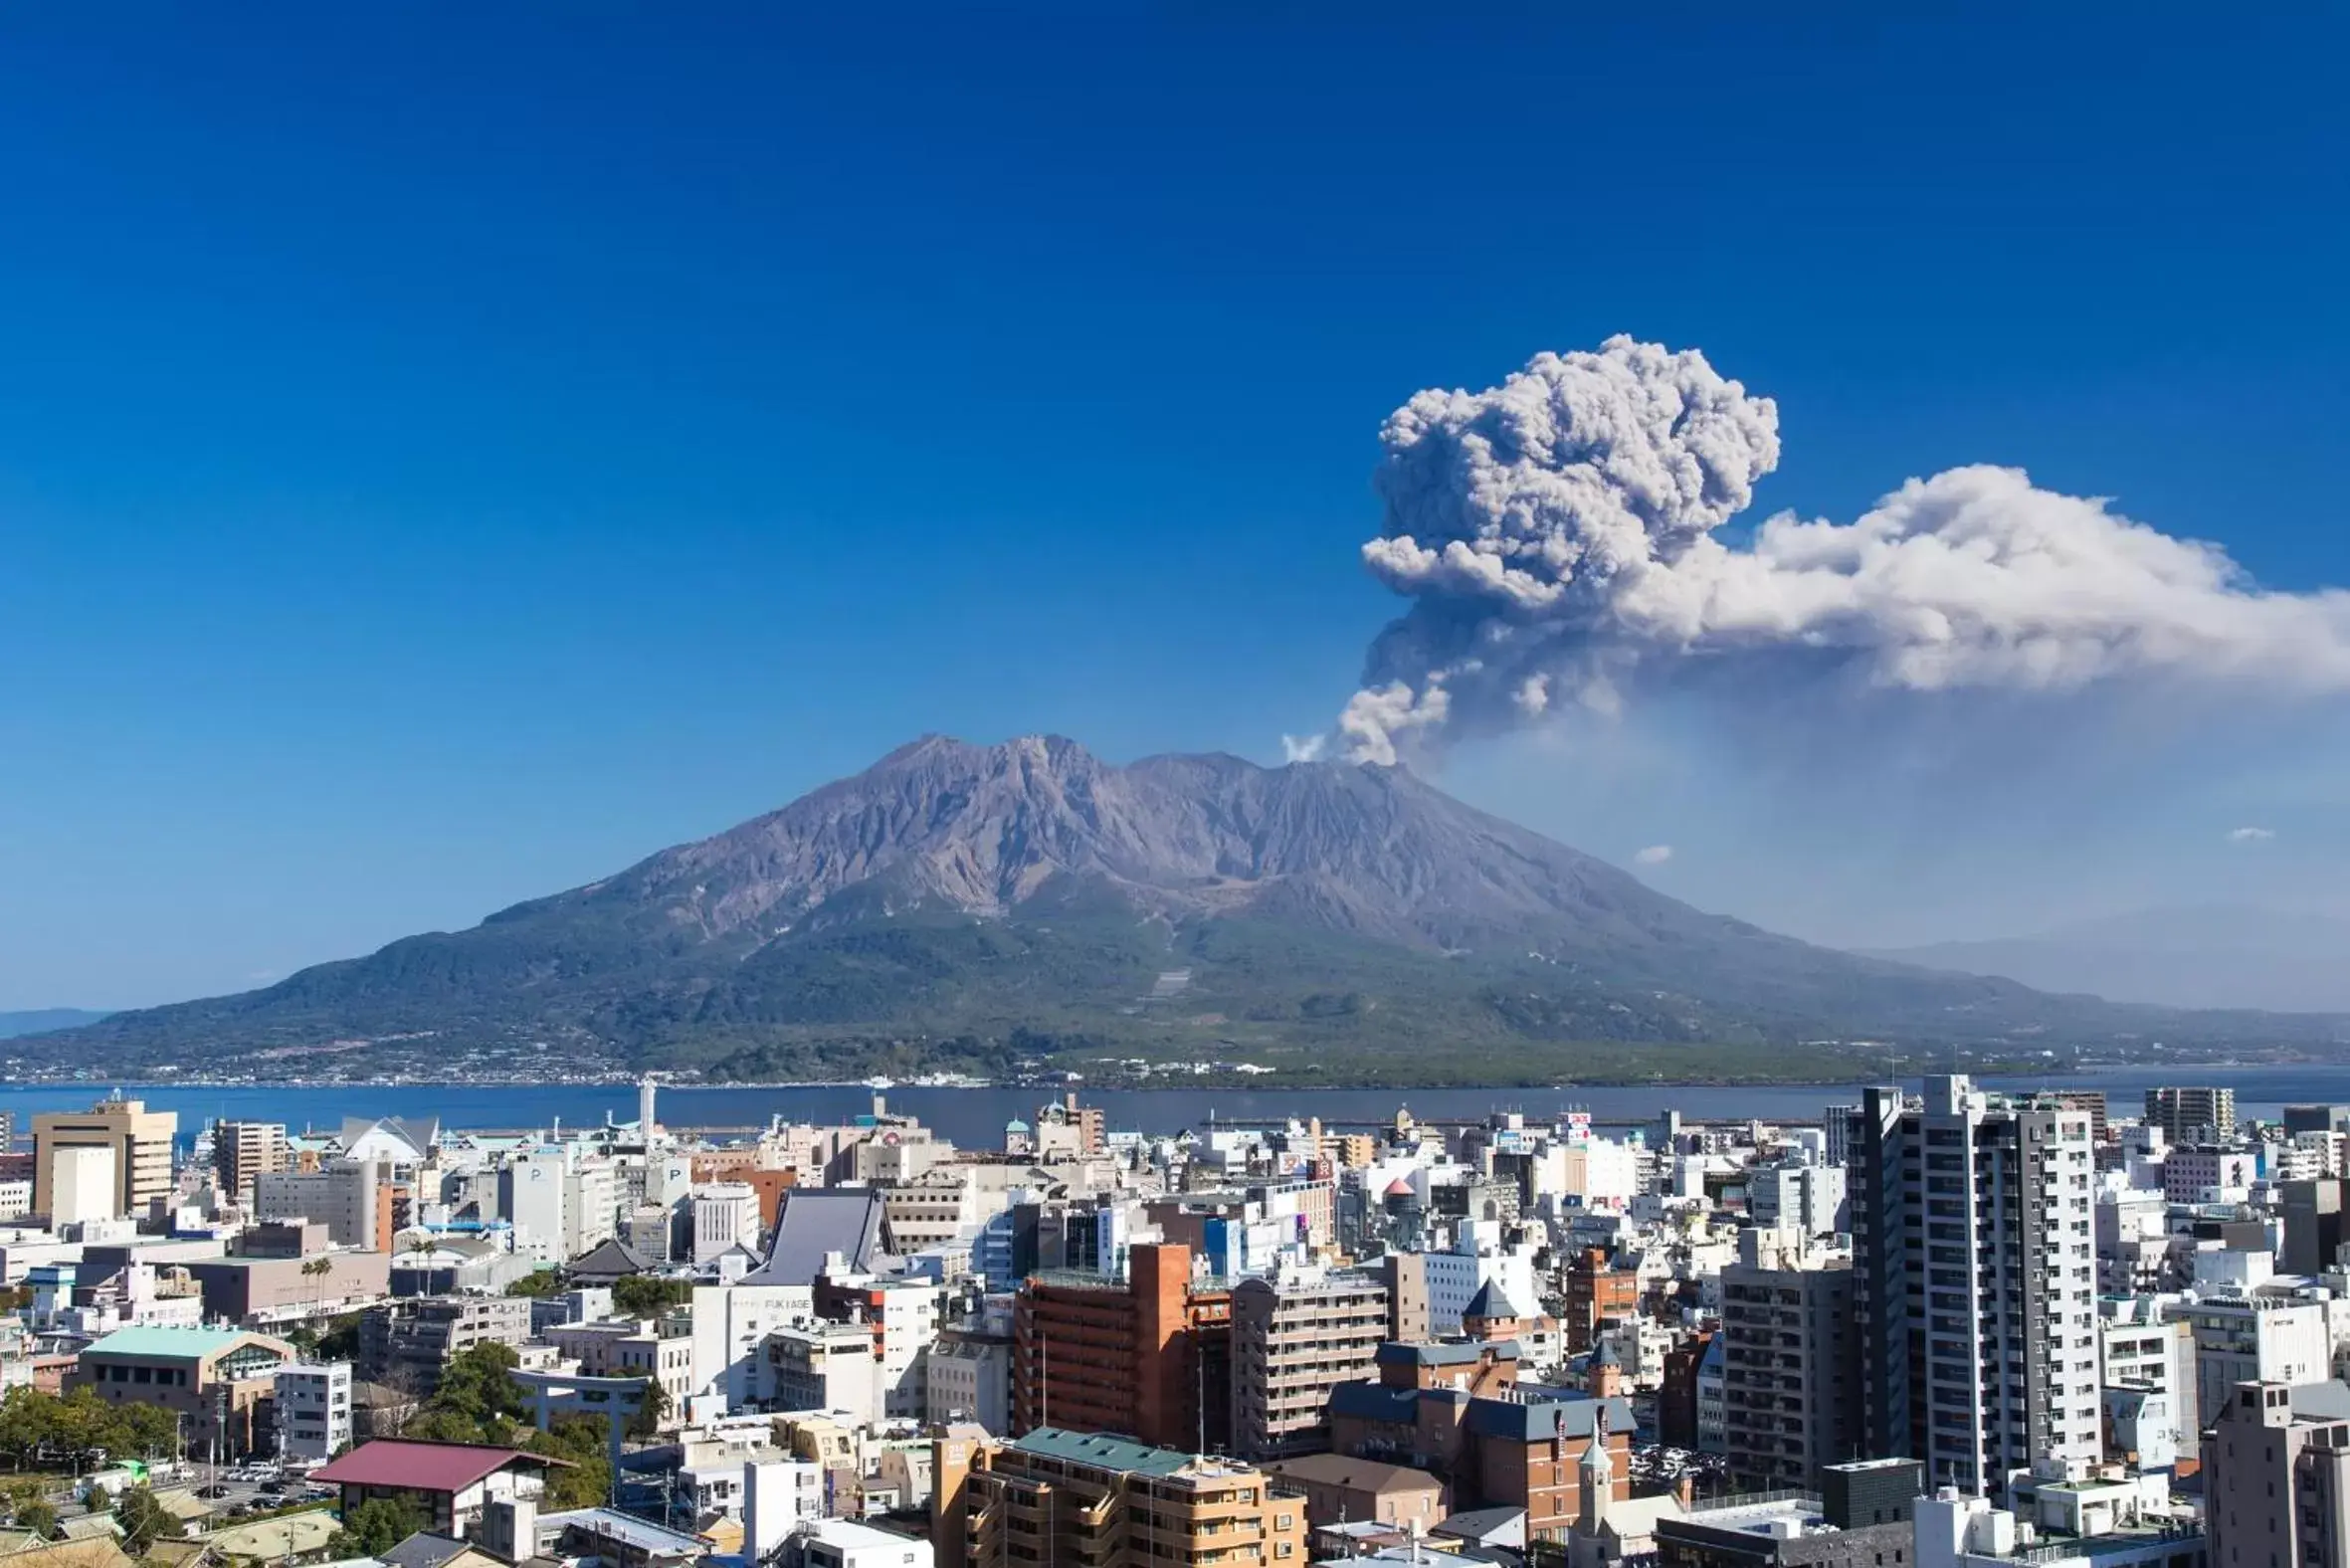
446,451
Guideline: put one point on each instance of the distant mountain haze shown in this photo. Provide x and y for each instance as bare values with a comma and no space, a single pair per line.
961,902
42,1019
2209,956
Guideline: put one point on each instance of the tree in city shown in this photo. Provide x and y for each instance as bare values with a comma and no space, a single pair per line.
584,1478
477,1400
144,1520
374,1527
76,1427
37,1514
653,1408
317,1270
339,1340
539,1285
649,1295
29,1508
25,1422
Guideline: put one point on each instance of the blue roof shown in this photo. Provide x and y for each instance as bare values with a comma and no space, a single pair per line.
1392,1406
1545,1420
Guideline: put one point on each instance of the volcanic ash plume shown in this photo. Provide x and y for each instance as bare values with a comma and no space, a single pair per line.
1556,534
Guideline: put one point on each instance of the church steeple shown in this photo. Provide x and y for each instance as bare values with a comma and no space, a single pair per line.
1597,1477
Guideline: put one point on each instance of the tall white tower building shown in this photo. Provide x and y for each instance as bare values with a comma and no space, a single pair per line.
1975,1282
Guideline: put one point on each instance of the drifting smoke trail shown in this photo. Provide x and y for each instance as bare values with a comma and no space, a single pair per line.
1556,534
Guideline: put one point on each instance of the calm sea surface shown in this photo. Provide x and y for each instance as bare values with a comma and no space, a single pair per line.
975,1117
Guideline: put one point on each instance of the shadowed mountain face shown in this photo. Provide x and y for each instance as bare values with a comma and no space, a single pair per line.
1029,893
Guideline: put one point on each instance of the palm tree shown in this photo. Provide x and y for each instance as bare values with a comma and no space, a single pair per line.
317,1270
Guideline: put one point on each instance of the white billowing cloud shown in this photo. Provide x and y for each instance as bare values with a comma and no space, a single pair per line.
1556,534
1654,854
2249,835
1304,749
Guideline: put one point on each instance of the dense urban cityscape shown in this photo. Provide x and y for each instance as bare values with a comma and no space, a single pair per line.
1941,1327
1174,785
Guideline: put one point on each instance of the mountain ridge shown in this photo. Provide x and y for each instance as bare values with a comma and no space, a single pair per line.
968,904
2192,956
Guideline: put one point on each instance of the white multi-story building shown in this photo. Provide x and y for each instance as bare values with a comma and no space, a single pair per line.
82,1184
826,1367
532,1195
2256,1337
725,1214
779,1495
2204,1174
2134,1238
1478,1255
591,1207
839,1543
2146,1369
970,1372
313,1410
731,1322
1975,1282
1809,1199
346,1196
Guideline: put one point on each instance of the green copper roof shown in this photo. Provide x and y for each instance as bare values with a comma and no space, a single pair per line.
168,1344
1091,1448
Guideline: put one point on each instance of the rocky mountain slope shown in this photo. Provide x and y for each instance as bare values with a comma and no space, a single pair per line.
963,904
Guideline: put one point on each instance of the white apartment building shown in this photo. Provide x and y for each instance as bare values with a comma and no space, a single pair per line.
1809,1199
1975,1280
313,1410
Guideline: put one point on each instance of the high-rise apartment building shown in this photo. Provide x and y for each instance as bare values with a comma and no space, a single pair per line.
2193,1115
244,1151
1974,1282
1791,1363
2276,1477
1293,1341
138,1138
1149,1355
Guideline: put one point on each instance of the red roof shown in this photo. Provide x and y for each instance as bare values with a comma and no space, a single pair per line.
420,1466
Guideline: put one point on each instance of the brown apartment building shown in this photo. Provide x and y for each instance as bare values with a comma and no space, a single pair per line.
1293,1341
1148,1357
1083,1501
